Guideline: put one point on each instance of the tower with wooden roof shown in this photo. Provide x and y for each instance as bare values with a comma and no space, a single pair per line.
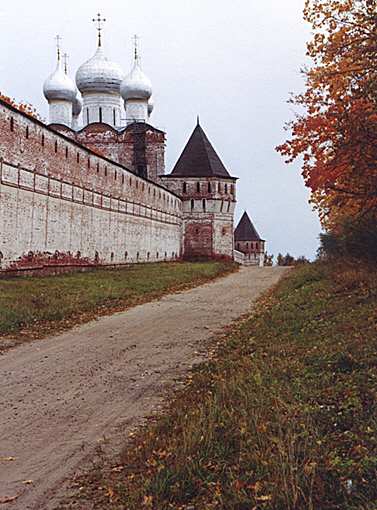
248,241
208,193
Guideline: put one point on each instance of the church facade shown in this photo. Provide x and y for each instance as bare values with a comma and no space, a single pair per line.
90,187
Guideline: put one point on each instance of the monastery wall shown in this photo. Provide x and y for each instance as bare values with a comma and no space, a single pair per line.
64,203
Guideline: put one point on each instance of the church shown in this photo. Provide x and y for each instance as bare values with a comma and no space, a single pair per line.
90,187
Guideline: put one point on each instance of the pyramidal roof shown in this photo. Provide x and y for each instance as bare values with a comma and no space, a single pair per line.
245,230
199,158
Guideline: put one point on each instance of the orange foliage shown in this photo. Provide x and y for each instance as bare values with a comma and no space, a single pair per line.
22,107
337,135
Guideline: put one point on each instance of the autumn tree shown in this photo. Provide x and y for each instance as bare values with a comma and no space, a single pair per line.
336,135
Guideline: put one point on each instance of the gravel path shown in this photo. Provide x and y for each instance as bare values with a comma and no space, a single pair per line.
62,395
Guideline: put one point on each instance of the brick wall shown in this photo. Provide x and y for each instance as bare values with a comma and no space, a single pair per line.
59,197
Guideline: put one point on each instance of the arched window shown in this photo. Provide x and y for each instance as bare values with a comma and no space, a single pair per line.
192,205
12,124
78,157
184,187
209,187
204,205
100,114
97,168
66,152
105,171
88,162
56,146
226,189
114,117
43,140
198,187
219,187
27,132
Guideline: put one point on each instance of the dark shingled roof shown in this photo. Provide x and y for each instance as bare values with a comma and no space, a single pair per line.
199,158
245,230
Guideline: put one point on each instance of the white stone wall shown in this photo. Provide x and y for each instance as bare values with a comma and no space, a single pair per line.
60,112
102,108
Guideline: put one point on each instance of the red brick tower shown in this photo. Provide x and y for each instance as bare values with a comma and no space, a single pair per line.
208,192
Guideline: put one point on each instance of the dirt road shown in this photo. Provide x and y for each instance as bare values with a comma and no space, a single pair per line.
61,395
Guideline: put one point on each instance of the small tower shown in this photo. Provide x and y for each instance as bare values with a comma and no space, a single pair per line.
60,92
99,81
208,192
248,241
136,90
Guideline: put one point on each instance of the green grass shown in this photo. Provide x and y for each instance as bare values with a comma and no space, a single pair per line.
39,304
283,417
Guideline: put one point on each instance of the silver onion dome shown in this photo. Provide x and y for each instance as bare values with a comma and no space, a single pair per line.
99,74
77,105
59,85
136,85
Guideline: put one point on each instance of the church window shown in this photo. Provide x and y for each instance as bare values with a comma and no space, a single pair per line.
148,255
222,206
115,175
97,168
228,206
122,179
56,146
137,256
100,114
192,205
184,187
66,152
198,187
105,171
88,162
219,187
12,124
27,132
232,189
112,256
43,140
157,254
197,231
137,184
209,187
204,205
125,255
226,189
78,157
238,246
87,115
114,117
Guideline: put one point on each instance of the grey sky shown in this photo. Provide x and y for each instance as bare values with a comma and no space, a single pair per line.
234,63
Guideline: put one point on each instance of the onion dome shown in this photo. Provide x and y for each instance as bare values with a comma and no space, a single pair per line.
77,105
150,106
59,85
136,85
99,74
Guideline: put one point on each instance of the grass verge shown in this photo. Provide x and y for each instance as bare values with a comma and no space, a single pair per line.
282,417
33,307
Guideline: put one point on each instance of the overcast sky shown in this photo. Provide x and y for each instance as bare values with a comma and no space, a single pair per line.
233,63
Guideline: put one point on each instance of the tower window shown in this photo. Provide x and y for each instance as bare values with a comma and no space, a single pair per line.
219,187
56,146
100,114
226,189
12,124
122,179
198,187
232,189
78,157
87,115
105,171
97,168
204,205
43,140
27,132
209,187
114,117
115,175
229,206
66,152
88,162
192,205
184,187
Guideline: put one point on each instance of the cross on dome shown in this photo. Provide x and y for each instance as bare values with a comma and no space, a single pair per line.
99,22
58,39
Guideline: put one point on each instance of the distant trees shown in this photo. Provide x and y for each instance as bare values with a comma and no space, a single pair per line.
289,260
336,136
